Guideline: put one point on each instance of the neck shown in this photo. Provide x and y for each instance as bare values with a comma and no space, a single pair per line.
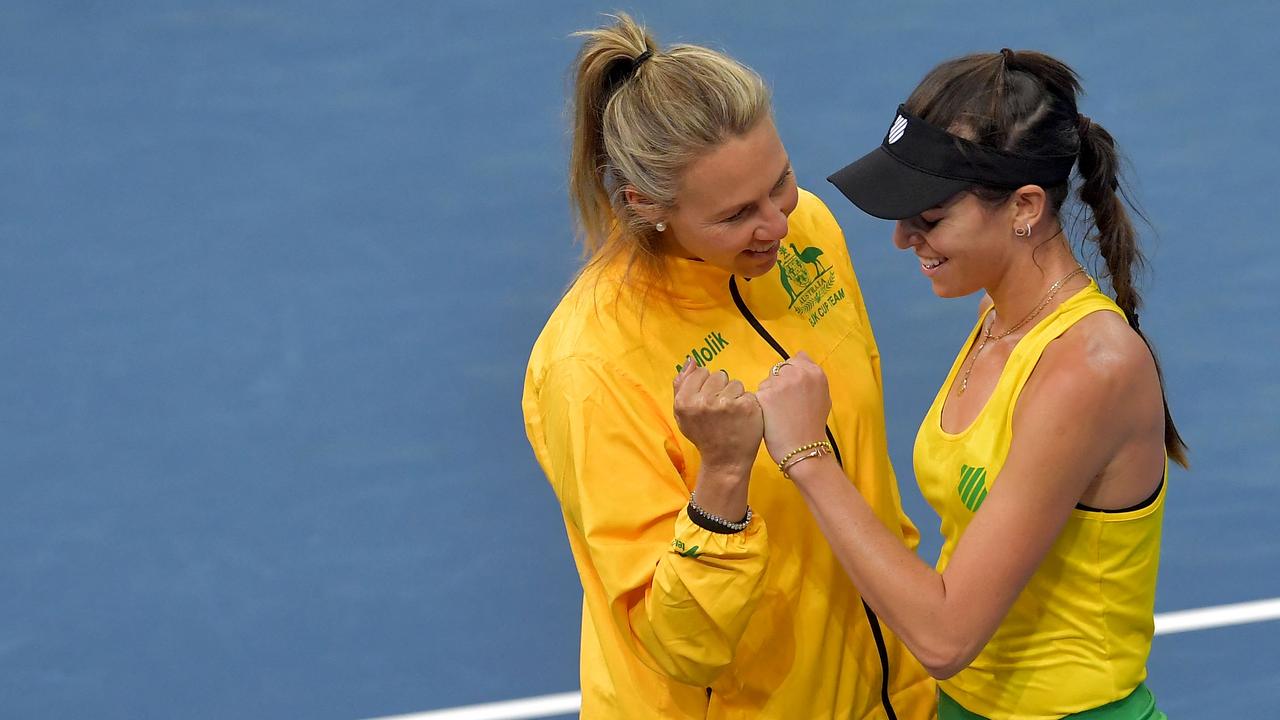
1024,284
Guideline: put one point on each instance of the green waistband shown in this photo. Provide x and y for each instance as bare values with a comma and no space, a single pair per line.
1139,705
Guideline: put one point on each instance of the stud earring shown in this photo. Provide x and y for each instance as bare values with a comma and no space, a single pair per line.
660,227
1021,232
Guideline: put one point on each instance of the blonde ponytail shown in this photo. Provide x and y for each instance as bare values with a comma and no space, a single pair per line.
641,115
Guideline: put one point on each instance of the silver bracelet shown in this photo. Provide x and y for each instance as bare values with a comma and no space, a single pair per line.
734,526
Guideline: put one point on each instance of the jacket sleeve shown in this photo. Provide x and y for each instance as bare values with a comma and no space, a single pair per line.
678,595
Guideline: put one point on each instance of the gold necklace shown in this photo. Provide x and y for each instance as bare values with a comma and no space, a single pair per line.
988,337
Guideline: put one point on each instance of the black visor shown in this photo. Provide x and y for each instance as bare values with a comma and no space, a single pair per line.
918,166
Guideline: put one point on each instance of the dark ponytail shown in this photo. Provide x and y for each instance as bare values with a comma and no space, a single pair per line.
1117,242
1024,102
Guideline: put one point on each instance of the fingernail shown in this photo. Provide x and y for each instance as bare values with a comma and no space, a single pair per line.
684,368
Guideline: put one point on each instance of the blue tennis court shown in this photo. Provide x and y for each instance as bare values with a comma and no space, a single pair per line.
272,271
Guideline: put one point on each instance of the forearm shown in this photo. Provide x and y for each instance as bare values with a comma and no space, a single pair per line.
905,593
722,490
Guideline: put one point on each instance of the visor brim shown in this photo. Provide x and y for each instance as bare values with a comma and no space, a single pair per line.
883,186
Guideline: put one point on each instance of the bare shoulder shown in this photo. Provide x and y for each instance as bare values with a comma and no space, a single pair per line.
1102,347
1101,368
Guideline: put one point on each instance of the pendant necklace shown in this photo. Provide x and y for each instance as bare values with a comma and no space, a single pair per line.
988,337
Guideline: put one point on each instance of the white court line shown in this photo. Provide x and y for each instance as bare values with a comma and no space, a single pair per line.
1220,616
534,707
570,702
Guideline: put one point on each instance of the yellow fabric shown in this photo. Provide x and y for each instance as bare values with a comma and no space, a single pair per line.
765,618
1079,634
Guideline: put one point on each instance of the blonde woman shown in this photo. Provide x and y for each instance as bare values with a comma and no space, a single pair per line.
708,590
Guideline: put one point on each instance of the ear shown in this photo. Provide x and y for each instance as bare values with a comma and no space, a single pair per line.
1030,205
640,204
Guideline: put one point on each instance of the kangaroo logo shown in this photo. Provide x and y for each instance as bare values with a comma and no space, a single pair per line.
972,487
897,129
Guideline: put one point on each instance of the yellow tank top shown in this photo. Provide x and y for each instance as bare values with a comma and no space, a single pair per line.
1079,634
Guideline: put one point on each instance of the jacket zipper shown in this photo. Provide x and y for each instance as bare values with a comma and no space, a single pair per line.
872,620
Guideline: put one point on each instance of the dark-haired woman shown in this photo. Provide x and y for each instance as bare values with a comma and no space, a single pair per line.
705,261
1045,451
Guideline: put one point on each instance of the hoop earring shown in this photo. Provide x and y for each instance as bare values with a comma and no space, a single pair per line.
1020,232
660,227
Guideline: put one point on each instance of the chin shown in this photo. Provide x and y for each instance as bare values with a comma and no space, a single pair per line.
949,292
755,270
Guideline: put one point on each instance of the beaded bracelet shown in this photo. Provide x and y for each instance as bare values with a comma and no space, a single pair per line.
733,527
795,457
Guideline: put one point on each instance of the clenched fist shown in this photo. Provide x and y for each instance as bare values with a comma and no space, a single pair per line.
719,417
796,402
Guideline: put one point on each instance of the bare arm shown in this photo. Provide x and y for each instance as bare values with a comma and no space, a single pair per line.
1067,430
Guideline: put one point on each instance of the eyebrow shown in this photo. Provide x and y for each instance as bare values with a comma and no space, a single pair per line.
735,209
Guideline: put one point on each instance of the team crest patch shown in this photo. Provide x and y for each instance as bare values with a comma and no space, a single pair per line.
972,487
809,282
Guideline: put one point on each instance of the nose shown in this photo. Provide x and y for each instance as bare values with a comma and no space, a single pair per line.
774,225
907,234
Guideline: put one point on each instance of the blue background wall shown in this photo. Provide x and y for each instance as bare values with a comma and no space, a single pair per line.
269,274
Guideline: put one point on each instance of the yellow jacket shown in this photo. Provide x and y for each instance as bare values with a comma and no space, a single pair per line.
678,621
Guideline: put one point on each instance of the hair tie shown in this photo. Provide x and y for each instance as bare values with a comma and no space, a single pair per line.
640,60
623,69
1083,126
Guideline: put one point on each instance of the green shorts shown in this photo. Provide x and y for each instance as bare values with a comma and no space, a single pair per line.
1139,705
